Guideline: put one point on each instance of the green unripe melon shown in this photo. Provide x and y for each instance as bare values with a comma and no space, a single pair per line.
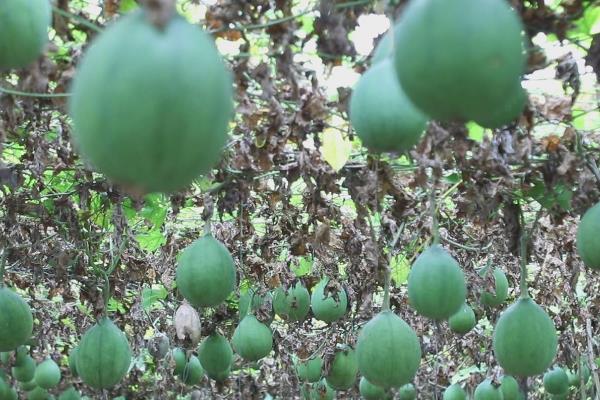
385,48
407,392
343,370
206,272
4,387
252,339
328,307
448,71
4,357
309,370
70,394
28,386
103,355
47,374
25,371
292,304
10,394
525,339
21,355
73,362
383,117
180,360
162,121
464,320
192,372
257,302
507,112
370,391
487,391
388,351
436,284
509,388
556,381
23,31
38,394
215,355
500,290
221,376
455,392
588,240
574,377
16,321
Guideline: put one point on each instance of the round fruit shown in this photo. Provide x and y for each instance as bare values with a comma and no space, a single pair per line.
370,391
163,119
588,240
309,370
407,392
436,284
343,370
70,394
47,374
506,112
215,355
455,392
23,31
10,394
103,355
4,387
328,307
28,386
501,290
385,120
448,72
206,272
487,391
252,339
388,351
292,304
525,340
16,321
25,371
192,372
4,357
38,394
509,388
180,360
73,362
385,48
464,320
556,381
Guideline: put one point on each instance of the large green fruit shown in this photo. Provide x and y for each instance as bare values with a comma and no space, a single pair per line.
252,339
103,355
506,112
436,284
25,371
556,381
328,307
407,392
383,117
16,321
70,394
192,372
509,388
500,290
588,240
38,394
388,351
292,304
73,362
215,355
448,71
47,374
487,391
343,370
309,370
162,121
206,272
179,359
370,391
464,320
455,392
525,340
23,31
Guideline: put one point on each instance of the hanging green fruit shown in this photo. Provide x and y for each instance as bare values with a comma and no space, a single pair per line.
309,370
192,372
252,339
328,307
407,392
556,381
292,304
215,356
509,388
464,320
588,240
501,290
455,392
487,391
16,320
47,374
343,369
370,391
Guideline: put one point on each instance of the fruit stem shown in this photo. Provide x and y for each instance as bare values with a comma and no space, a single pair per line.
160,12
207,230
435,229
523,261
386,290
2,267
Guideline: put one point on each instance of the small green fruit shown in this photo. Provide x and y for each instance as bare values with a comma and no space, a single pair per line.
252,339
509,388
343,370
292,304
70,394
463,321
25,371
556,381
407,392
370,391
487,391
309,370
47,374
501,290
192,372
73,362
588,240
215,355
16,320
455,392
180,360
328,307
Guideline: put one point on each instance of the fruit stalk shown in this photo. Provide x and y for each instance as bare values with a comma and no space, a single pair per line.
160,12
435,229
523,262
2,265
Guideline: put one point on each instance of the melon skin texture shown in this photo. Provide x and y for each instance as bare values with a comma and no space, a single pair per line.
215,356
70,394
179,359
556,381
500,290
449,72
47,374
436,284
192,372
384,49
464,320
388,351
343,370
383,117
370,391
455,392
588,240
507,112
509,388
25,371
38,394
103,355
252,339
292,304
328,308
487,391
309,370
162,121
525,340
407,392
16,321
206,272
23,31
73,362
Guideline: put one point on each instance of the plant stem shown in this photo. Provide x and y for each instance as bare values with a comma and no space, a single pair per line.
31,94
435,229
2,267
523,262
77,18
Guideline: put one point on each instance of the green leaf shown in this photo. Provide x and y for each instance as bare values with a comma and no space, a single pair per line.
154,210
304,266
400,268
335,149
152,296
151,240
127,5
476,132
589,24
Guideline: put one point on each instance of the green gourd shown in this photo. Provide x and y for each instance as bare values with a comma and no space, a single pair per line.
252,339
463,321
328,307
16,320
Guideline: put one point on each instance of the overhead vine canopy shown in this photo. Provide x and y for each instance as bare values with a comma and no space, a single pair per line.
297,201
